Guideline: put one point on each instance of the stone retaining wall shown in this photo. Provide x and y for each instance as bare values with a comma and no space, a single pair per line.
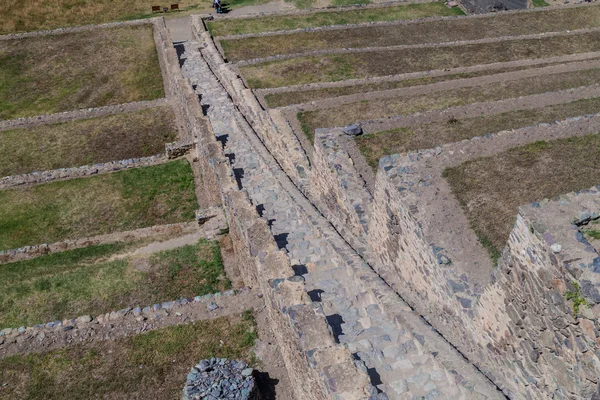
124,322
79,172
318,367
338,189
155,232
187,110
518,328
270,126
30,122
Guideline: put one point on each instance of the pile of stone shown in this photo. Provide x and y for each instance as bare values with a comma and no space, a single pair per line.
220,378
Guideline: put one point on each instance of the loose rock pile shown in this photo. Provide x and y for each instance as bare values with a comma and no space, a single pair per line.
220,378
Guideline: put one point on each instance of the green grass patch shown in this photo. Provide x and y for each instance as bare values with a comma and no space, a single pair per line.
313,20
156,362
86,142
428,32
50,74
283,99
425,136
326,68
491,189
403,105
103,278
594,234
125,200
540,3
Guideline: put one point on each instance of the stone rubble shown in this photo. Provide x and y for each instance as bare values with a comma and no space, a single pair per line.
220,378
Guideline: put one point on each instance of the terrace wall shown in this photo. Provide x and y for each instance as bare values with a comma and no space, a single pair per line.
338,189
270,125
519,329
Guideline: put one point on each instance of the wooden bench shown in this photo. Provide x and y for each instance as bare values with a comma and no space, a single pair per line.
175,7
155,9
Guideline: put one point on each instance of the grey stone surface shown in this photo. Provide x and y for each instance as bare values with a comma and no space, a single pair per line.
220,378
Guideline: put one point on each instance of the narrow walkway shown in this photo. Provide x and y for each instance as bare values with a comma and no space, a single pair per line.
399,366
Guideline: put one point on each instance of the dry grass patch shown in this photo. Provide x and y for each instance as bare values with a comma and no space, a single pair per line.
286,22
367,110
103,278
156,362
339,67
491,189
376,145
31,15
43,75
120,201
458,29
85,142
283,99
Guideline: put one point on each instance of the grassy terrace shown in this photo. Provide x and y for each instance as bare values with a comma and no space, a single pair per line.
366,110
85,142
43,75
338,67
102,204
283,99
376,145
491,189
458,29
313,20
103,278
31,15
156,362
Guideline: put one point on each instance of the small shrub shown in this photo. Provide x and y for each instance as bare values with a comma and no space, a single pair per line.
576,297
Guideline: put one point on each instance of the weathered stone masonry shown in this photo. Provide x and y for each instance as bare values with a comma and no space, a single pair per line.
519,329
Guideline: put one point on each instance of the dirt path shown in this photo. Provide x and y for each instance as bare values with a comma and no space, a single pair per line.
180,29
271,7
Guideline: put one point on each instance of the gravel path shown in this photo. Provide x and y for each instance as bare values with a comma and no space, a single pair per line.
397,358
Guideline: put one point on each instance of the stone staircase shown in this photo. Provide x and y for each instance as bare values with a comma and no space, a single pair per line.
398,360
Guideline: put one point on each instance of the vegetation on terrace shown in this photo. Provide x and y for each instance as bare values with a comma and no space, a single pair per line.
451,30
376,145
156,362
326,18
491,189
125,200
103,278
86,142
282,99
49,74
367,110
339,67
32,15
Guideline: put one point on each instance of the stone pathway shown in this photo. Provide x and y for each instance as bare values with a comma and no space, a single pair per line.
398,363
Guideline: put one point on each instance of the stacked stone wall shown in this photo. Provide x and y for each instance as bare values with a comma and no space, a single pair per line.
337,188
188,112
270,125
519,329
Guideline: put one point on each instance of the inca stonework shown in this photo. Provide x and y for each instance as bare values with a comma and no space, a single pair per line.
376,202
